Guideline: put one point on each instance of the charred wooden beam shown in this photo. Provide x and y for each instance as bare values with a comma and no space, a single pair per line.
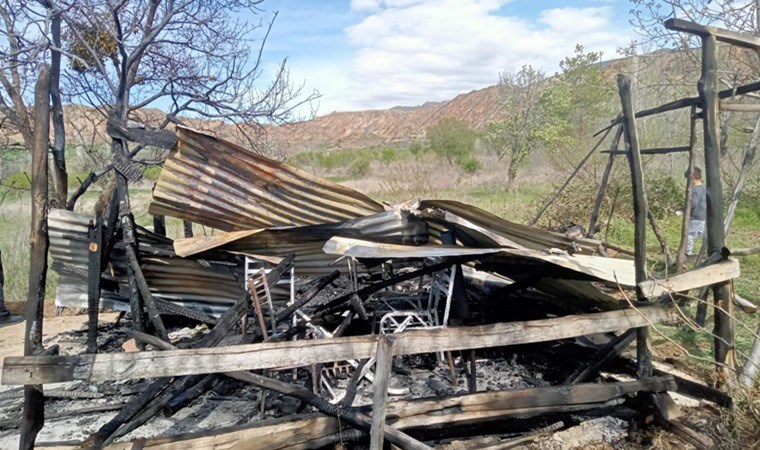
605,355
34,400
644,355
124,130
95,238
651,151
123,366
720,34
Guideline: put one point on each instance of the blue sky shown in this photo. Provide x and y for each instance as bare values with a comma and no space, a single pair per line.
374,54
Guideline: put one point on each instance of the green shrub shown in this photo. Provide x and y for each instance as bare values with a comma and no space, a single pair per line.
469,164
19,180
359,167
152,172
388,154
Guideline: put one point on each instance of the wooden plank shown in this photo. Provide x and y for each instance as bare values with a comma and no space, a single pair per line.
124,366
720,34
384,356
739,107
307,429
681,282
529,397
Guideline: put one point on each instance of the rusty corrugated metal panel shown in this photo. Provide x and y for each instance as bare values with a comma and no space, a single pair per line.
484,229
394,226
219,184
210,288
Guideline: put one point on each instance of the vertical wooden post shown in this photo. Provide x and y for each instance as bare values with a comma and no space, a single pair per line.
716,237
4,313
384,357
94,234
136,274
472,381
188,228
34,400
643,354
681,256
603,183
159,225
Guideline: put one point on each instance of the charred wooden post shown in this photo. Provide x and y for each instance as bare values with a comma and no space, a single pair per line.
34,400
716,238
609,352
643,354
130,245
681,256
159,225
472,380
187,226
383,367
4,312
94,235
604,182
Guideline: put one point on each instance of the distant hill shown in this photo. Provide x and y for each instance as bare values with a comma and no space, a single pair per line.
390,126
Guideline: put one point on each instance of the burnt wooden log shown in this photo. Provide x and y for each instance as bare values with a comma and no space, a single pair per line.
644,355
34,400
130,245
123,130
604,356
716,238
95,238
652,151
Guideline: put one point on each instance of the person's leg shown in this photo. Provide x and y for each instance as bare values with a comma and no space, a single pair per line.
694,228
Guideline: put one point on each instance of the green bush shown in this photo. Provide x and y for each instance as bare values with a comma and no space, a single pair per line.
469,164
152,172
359,167
387,155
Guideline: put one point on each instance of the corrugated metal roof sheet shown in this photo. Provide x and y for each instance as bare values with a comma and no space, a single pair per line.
483,229
184,281
219,184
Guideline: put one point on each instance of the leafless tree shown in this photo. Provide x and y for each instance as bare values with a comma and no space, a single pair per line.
192,58
29,35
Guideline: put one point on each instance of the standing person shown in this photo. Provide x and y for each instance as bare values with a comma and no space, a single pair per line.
698,213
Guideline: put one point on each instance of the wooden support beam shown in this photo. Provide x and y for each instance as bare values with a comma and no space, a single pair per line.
685,103
609,352
720,34
746,251
716,237
124,366
384,357
685,281
651,151
740,107
95,236
34,400
644,355
744,304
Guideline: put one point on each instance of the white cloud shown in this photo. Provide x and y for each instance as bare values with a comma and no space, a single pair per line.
411,51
